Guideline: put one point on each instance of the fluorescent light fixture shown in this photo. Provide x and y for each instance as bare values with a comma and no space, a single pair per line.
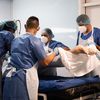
63,30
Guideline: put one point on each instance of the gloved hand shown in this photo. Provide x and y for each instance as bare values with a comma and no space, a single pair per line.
98,55
50,50
92,49
56,51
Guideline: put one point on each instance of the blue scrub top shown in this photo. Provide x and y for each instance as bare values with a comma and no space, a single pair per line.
96,35
6,38
26,50
53,44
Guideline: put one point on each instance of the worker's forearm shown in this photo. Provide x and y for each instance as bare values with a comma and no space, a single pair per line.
50,58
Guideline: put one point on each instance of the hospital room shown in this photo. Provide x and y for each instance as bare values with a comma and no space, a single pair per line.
50,50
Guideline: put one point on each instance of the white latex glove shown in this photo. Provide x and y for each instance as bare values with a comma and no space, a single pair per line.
56,51
92,49
98,55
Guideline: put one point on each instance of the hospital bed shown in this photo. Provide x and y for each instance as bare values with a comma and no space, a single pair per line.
68,88
65,88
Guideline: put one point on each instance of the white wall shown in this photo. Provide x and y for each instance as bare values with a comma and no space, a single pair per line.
52,13
59,15
5,10
93,12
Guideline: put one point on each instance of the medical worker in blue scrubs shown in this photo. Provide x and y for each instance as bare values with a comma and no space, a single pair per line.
87,35
86,30
20,78
88,39
49,46
7,30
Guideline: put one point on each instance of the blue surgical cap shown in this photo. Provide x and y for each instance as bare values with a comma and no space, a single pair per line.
11,24
83,20
49,32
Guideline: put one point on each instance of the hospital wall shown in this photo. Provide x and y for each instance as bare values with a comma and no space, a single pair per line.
59,15
5,10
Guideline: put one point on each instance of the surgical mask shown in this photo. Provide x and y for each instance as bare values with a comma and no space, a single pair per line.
44,39
82,29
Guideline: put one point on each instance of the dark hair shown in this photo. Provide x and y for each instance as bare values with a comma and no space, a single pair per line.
9,26
32,22
49,32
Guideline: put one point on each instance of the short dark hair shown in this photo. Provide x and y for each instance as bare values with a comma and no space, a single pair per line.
32,22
